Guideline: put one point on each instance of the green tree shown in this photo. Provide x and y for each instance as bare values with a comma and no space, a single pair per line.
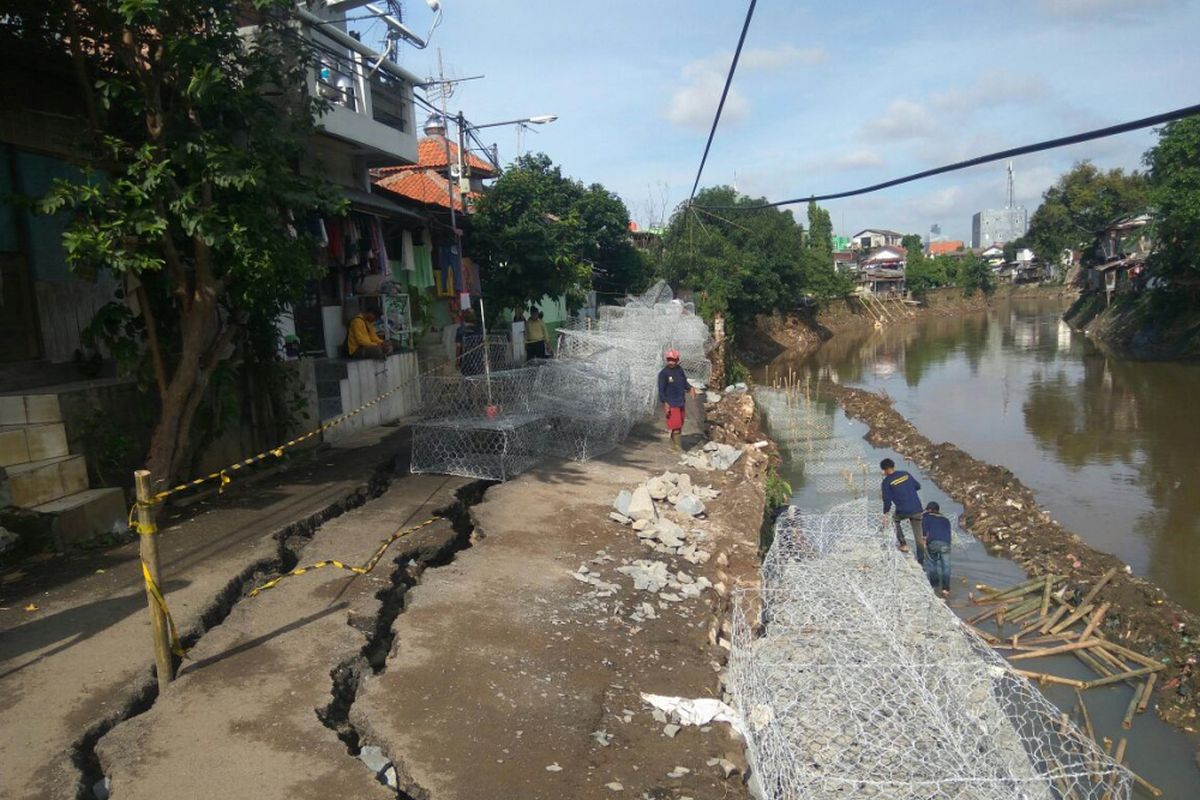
1075,210
201,133
537,232
975,274
1174,165
819,276
743,263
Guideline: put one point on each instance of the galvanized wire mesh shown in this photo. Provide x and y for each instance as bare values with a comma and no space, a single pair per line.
853,681
580,404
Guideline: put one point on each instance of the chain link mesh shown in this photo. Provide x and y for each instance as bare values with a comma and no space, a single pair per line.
578,405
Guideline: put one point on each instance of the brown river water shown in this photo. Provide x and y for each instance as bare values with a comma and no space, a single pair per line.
1111,447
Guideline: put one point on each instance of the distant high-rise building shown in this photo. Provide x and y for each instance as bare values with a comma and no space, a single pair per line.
999,226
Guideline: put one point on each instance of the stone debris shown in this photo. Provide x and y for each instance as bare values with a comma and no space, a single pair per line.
641,505
621,518
603,588
735,387
727,767
712,397
614,786
690,504
654,577
638,510
603,738
373,758
678,772
670,729
621,504
712,456
553,767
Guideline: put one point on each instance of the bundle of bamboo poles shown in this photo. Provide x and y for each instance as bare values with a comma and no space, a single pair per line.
1043,622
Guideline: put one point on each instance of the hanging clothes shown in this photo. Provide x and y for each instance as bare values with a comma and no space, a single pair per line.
422,274
470,273
378,245
406,250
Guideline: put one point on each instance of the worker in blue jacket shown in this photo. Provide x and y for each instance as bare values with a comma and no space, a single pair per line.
937,547
900,489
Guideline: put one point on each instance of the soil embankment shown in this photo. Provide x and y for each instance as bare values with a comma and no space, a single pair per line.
772,334
1004,514
1130,329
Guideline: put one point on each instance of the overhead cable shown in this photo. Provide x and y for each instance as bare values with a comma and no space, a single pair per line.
724,93
1099,133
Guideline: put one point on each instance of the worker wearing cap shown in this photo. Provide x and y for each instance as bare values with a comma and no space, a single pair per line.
673,389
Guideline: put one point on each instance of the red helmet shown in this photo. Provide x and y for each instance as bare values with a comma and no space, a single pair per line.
672,355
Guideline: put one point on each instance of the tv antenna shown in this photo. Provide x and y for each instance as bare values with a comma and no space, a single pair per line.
1011,199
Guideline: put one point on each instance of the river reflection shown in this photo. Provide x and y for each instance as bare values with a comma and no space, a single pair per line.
1110,447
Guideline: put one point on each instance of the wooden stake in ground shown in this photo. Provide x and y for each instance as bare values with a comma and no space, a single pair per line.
148,540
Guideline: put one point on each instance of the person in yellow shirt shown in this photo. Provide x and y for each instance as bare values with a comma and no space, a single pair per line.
536,344
362,341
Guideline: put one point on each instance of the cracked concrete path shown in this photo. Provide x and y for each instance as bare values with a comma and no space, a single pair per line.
242,720
85,654
505,666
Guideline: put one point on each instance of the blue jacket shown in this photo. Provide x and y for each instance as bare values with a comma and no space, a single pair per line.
901,488
935,527
672,386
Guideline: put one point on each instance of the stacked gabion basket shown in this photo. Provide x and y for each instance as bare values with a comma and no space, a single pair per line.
577,406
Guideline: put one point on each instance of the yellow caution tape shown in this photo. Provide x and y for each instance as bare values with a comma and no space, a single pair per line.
363,570
176,646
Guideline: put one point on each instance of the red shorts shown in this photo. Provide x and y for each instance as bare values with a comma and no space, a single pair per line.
675,418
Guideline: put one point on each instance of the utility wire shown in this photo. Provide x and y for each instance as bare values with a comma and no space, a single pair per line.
1099,133
724,93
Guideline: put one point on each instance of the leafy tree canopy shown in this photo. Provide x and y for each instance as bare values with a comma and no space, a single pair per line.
536,232
201,133
1174,165
748,263
1076,209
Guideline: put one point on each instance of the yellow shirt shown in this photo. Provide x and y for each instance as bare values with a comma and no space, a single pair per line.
535,331
361,334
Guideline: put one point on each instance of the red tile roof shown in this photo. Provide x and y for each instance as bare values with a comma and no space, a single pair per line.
942,248
431,154
422,186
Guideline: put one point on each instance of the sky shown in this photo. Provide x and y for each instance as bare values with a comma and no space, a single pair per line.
827,96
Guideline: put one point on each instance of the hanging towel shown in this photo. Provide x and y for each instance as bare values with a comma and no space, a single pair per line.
406,251
422,275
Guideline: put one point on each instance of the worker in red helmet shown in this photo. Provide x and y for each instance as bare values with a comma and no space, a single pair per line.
673,389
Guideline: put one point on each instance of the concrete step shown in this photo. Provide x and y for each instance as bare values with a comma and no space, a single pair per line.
29,409
85,514
20,444
38,482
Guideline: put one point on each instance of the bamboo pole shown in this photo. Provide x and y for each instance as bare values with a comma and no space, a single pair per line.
1044,677
1136,673
1145,784
1132,655
1087,718
1100,668
1147,693
1127,720
1053,651
1095,620
1046,597
148,548
1020,589
1055,617
1079,614
1091,595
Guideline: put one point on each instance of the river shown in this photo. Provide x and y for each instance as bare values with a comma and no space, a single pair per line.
1110,447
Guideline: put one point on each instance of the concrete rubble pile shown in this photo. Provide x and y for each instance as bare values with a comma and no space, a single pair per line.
645,510
579,405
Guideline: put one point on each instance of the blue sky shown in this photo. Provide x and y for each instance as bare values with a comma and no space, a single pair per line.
827,97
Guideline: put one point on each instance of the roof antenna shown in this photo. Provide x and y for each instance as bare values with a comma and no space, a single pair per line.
1011,201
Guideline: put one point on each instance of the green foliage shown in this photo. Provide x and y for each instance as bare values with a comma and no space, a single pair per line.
779,491
748,263
536,232
737,372
931,273
1076,209
201,130
1174,165
975,274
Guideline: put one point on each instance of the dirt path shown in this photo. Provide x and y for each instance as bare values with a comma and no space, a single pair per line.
1004,514
511,678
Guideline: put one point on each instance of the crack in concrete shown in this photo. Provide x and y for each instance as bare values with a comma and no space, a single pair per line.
349,675
143,694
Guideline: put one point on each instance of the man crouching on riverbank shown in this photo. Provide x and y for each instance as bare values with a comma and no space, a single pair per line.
900,488
936,529
673,390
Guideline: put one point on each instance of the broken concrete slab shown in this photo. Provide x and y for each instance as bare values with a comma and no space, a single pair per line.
641,505
690,504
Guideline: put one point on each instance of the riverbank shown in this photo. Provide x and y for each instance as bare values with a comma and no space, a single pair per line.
801,334
1129,328
1004,514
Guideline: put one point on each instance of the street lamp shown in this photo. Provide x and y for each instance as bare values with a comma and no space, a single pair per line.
542,119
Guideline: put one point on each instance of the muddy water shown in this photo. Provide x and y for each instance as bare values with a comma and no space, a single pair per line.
1161,754
1111,447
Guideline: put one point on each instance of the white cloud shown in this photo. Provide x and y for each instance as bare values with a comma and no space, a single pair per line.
903,119
999,86
858,159
693,103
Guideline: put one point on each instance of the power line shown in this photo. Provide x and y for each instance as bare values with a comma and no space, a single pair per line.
724,93
1099,133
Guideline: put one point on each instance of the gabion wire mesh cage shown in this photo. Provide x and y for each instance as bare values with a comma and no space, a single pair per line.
852,683
581,404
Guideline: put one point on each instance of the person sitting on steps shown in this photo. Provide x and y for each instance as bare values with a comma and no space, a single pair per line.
362,341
